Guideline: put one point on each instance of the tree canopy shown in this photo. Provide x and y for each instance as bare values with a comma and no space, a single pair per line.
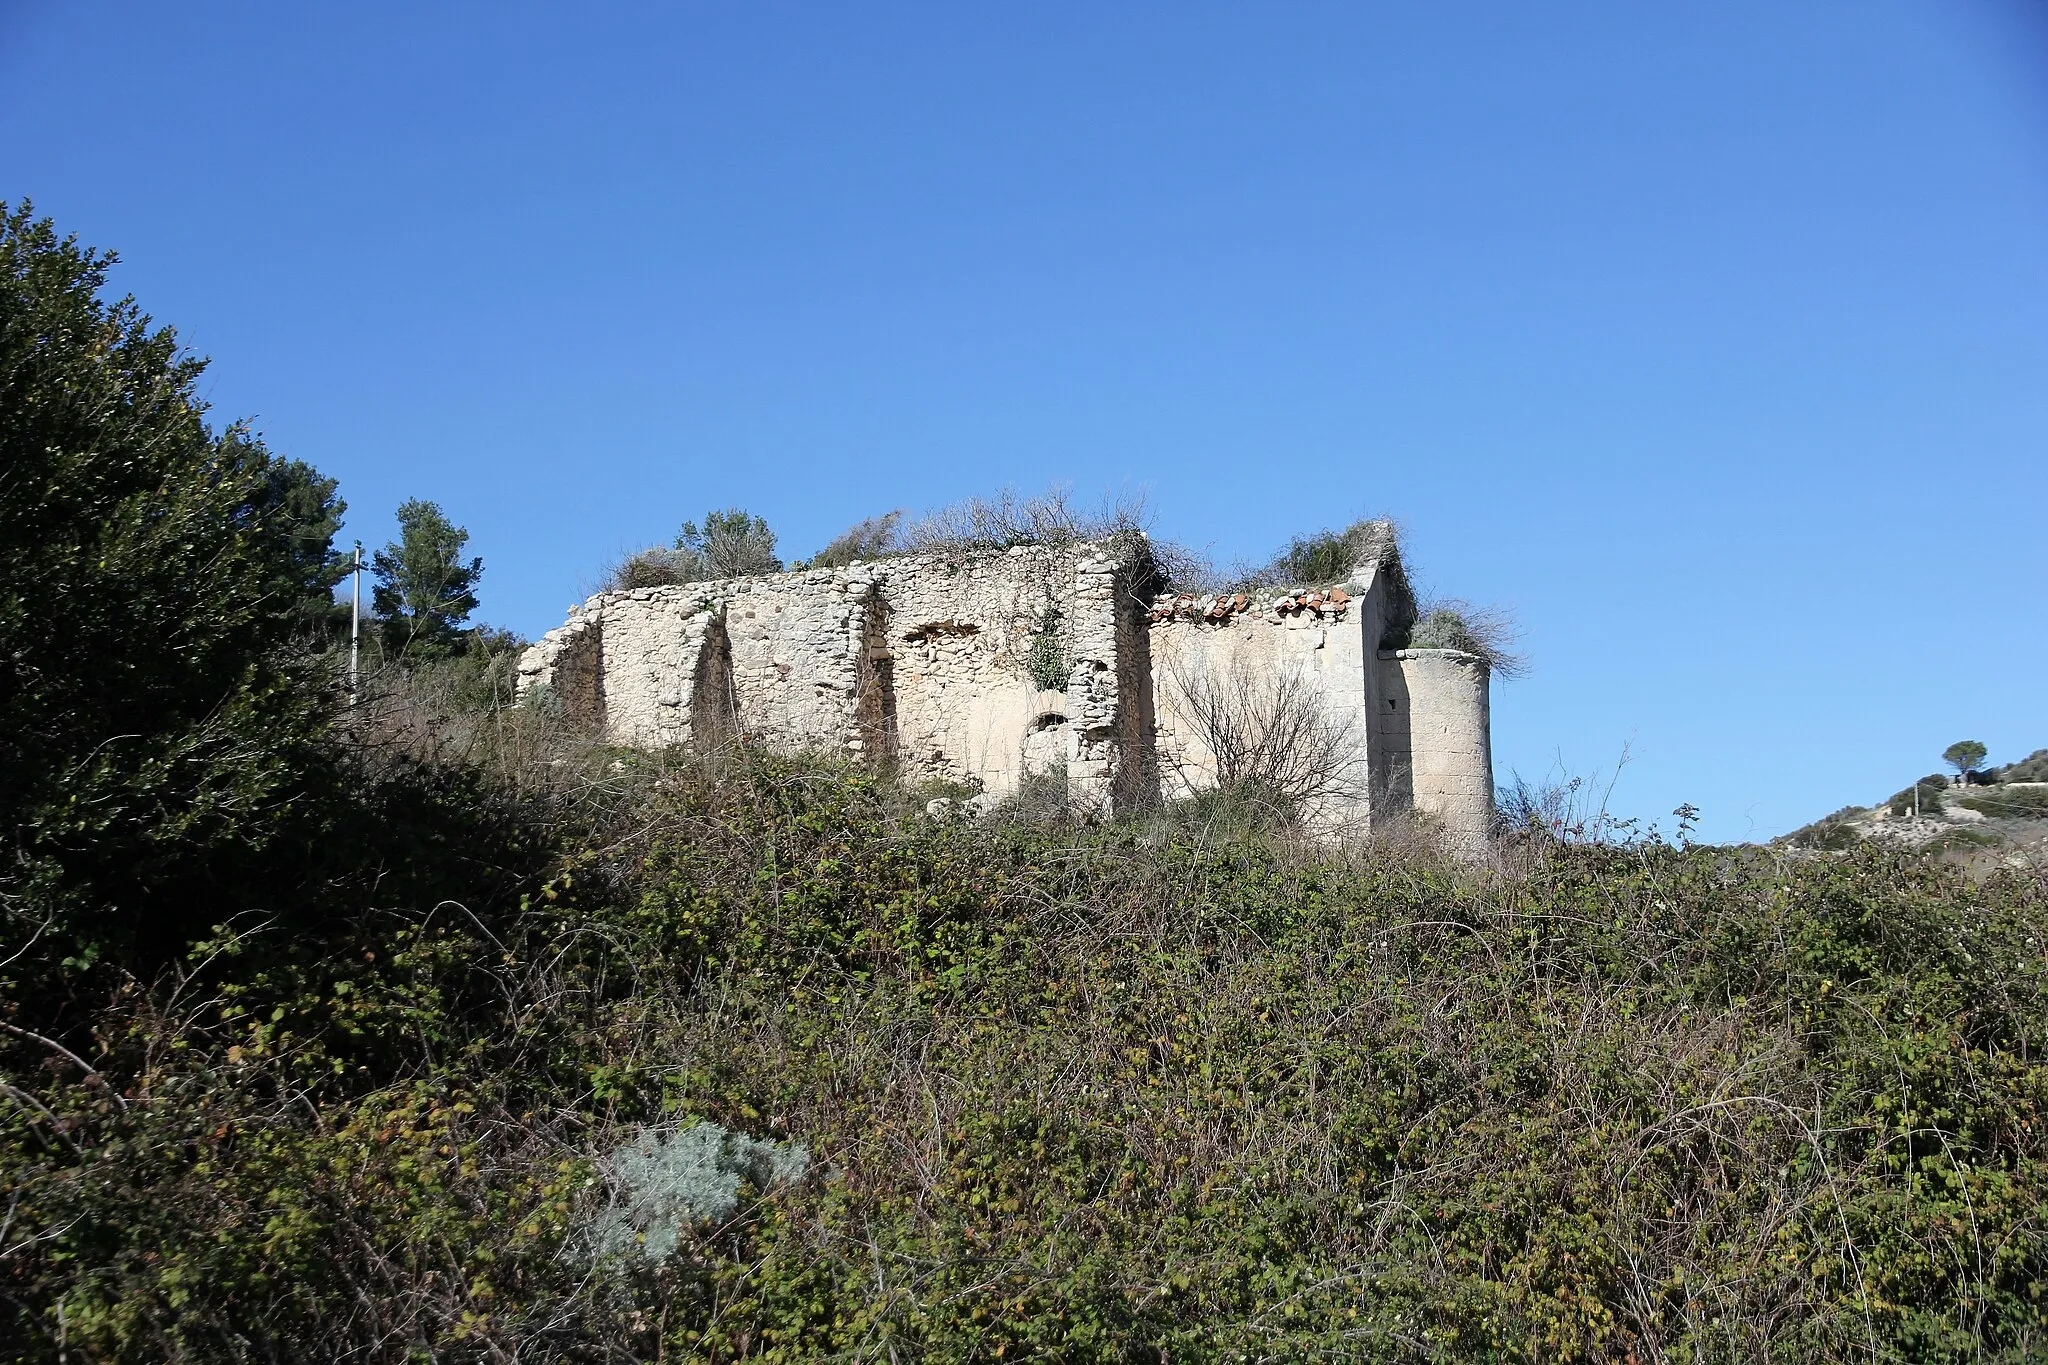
425,591
1965,756
151,713
730,544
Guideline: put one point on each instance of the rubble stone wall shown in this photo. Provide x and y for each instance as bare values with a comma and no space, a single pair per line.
798,642
959,641
989,668
651,655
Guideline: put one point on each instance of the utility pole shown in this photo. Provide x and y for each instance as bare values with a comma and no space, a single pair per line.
355,624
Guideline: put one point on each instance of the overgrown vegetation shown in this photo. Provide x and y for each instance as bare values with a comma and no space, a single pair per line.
870,538
1486,632
1093,1093
436,1031
1048,661
1998,803
733,543
1273,745
2032,768
1922,798
1009,519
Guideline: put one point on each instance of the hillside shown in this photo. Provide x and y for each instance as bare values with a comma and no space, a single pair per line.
1998,818
1015,1087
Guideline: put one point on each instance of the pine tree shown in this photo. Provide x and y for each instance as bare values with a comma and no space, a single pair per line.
424,591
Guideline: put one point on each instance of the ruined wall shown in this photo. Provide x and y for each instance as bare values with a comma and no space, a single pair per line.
799,643
652,647
1435,727
566,666
1110,746
788,652
960,639
934,663
991,667
1299,653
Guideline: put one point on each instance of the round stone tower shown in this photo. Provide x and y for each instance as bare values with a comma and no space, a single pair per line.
1450,742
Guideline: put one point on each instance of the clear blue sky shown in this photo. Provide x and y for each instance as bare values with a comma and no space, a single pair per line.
1711,339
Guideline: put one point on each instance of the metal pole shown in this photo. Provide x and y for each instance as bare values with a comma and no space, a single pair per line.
355,623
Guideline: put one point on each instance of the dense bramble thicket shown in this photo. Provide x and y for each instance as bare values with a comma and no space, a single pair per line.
1120,1093
387,1034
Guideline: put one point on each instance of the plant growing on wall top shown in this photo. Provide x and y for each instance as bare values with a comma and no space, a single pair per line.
1329,557
1487,632
730,544
871,538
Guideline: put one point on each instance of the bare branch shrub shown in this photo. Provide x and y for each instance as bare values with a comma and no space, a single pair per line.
655,567
872,538
1270,735
1008,519
1489,632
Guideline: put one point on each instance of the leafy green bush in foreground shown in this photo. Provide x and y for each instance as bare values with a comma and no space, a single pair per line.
1122,1093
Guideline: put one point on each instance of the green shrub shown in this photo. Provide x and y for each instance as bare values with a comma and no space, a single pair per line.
1833,833
658,567
1930,789
2032,768
1048,661
730,544
2008,803
1114,1092
873,538
164,748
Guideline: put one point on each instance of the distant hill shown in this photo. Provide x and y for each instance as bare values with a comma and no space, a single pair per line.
2000,816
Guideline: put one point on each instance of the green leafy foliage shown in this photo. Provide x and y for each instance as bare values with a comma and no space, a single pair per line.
1928,793
424,591
308,508
2032,768
1965,756
1047,661
157,733
2008,803
730,544
1089,1093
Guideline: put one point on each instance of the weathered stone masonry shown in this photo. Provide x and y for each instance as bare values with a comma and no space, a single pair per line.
990,668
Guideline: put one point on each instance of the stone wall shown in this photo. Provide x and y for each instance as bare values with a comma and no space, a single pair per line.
1435,727
959,644
937,664
1274,654
990,668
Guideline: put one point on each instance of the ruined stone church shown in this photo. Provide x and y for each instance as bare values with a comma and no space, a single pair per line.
1064,662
